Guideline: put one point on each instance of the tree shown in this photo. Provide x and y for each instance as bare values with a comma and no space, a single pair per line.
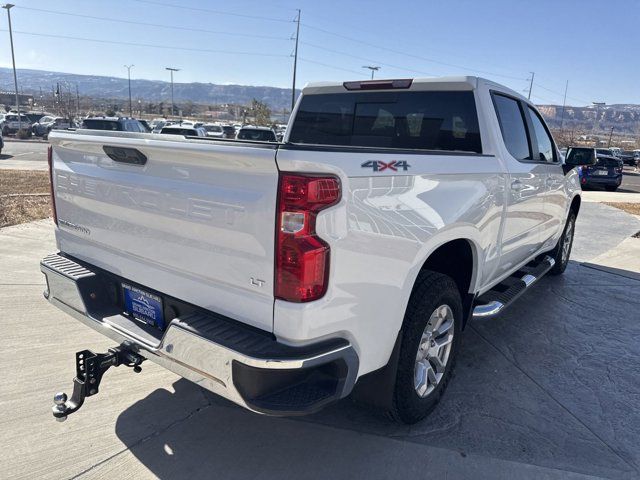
260,112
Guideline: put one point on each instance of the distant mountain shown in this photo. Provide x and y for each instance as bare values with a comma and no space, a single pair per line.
625,118
31,81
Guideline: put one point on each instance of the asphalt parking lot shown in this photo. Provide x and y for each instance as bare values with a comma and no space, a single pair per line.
550,390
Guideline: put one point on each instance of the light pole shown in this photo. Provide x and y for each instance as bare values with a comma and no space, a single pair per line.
372,68
595,121
128,67
171,69
8,7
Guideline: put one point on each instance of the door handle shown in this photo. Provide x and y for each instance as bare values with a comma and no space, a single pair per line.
517,185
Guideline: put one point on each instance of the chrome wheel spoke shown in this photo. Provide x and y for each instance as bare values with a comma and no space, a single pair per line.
433,350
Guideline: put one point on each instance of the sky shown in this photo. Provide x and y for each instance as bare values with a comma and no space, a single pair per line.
594,45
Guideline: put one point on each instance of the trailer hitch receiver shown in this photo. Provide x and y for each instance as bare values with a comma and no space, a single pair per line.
90,367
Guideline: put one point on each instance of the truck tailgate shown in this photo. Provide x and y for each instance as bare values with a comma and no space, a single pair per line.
195,222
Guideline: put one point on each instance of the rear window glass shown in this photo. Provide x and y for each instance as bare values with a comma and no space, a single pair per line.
101,125
412,120
179,131
257,135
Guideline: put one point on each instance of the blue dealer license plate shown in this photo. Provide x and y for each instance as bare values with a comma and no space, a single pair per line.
143,306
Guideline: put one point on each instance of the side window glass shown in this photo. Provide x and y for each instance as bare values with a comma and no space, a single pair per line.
545,144
512,125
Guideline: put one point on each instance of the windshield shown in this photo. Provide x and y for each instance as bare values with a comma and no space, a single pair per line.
213,128
179,131
439,120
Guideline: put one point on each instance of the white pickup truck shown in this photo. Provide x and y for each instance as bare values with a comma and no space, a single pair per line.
352,254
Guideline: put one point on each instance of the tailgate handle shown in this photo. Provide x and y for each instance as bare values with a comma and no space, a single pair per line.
125,155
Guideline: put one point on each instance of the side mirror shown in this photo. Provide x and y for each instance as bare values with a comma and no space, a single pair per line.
577,156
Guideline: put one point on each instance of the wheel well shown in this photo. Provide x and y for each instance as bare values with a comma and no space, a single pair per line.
575,204
454,259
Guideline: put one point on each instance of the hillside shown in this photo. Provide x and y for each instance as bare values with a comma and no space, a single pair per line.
31,81
624,118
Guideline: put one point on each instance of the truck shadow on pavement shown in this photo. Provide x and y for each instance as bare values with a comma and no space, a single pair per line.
553,383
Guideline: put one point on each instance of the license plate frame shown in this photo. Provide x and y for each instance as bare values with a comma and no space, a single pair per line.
144,306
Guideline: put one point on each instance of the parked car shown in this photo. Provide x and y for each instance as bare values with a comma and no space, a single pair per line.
146,125
629,158
229,131
214,130
606,173
262,134
160,125
401,209
116,124
12,123
185,130
48,123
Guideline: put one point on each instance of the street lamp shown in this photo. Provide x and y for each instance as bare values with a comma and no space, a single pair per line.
8,7
595,121
171,69
372,68
128,67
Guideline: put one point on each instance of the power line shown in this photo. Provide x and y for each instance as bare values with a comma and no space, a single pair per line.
360,74
157,25
148,45
365,59
208,10
399,52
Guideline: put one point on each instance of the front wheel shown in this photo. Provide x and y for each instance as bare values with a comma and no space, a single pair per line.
429,347
562,252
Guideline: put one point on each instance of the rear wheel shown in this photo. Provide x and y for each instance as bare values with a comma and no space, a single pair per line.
429,347
562,251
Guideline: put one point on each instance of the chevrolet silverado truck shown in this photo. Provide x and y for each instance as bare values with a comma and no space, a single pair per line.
349,257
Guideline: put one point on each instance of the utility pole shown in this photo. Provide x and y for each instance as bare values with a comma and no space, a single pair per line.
610,135
595,121
8,7
77,101
295,62
564,102
128,67
533,74
372,68
171,69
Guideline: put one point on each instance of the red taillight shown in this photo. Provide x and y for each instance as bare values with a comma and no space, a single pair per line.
53,198
302,258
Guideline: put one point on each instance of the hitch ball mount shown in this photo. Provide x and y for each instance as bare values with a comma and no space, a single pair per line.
90,367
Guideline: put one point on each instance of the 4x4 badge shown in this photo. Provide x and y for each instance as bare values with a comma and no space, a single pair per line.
380,166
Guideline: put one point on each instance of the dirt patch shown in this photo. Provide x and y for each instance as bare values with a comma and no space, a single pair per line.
632,208
24,196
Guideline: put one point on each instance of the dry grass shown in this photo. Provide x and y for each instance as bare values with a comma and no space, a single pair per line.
632,208
15,208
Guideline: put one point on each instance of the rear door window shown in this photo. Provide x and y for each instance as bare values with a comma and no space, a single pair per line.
513,126
435,120
543,139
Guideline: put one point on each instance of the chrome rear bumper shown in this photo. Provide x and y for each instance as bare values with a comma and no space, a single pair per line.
246,366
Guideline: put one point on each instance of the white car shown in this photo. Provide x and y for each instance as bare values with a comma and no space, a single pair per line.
214,130
349,257
185,130
12,123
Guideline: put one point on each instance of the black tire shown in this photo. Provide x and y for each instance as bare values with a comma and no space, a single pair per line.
432,290
611,188
561,263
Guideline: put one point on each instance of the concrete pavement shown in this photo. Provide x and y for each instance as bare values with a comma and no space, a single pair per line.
550,390
24,155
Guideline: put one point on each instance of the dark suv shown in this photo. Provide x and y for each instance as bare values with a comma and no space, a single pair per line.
115,124
607,172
